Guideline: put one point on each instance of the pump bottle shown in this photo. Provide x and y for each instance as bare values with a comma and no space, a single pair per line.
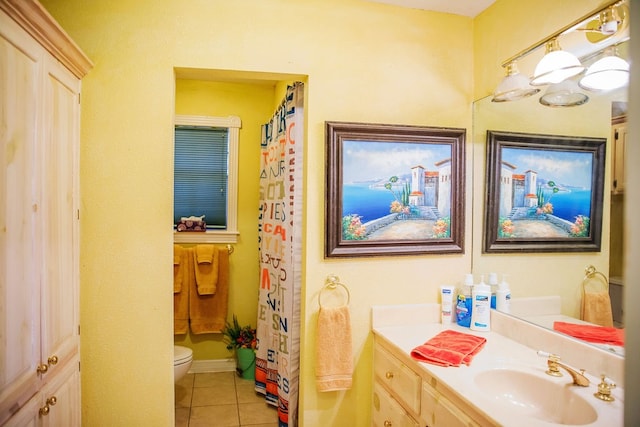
481,313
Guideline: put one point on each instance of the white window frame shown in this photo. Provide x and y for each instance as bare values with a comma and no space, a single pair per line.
230,235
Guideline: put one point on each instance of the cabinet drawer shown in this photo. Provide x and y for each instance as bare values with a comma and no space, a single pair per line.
387,412
398,378
438,411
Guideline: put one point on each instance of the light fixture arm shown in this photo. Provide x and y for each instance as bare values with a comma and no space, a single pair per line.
563,30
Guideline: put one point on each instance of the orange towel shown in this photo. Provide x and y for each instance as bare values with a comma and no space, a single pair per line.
449,348
334,358
208,313
206,268
591,333
182,275
596,308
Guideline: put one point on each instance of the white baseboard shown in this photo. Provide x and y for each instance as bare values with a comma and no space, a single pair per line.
213,365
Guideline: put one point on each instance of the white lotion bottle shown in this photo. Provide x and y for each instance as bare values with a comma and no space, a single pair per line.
481,313
446,307
503,297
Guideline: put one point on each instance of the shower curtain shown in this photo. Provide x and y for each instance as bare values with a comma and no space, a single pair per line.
279,238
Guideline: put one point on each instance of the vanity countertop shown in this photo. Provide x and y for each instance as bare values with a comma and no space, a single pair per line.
498,353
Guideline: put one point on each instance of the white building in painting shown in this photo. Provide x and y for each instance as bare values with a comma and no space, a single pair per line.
431,190
516,190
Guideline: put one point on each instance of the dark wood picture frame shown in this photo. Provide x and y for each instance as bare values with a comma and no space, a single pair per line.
409,179
544,193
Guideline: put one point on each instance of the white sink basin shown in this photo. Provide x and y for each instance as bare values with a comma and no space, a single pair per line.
532,396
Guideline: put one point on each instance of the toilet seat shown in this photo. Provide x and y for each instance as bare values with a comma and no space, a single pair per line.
181,355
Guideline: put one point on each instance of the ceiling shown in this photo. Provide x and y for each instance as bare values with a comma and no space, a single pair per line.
469,8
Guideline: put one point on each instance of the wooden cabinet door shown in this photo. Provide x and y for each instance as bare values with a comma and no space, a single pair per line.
61,398
58,220
20,79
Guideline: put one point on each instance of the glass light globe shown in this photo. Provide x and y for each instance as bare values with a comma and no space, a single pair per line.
514,86
610,72
563,94
556,65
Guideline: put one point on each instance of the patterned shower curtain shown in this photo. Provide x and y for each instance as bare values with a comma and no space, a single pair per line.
280,226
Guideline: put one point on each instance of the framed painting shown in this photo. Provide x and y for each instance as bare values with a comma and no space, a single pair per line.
544,193
393,190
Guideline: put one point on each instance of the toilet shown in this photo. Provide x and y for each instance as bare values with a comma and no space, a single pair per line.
182,358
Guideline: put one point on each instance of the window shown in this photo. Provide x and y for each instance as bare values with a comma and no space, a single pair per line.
206,176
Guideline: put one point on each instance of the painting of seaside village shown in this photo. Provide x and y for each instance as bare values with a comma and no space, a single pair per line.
544,194
396,191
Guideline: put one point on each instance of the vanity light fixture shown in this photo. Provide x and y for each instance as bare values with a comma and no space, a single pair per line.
607,73
513,86
557,65
603,27
563,94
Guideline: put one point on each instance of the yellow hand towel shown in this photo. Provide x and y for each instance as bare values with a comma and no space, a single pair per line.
179,261
206,269
208,313
596,308
184,276
334,358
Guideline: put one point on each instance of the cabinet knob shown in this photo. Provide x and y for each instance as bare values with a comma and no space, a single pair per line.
387,423
52,401
53,360
389,375
44,410
42,368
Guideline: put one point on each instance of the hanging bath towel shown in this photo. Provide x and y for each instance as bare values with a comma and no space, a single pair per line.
182,270
206,268
334,357
208,313
596,308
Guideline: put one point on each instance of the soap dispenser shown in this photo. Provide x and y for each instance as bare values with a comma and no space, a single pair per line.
464,306
503,297
481,312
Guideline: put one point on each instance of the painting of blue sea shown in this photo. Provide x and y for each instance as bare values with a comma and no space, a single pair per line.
545,193
387,184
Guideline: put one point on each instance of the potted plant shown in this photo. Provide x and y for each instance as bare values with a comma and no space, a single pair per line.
243,339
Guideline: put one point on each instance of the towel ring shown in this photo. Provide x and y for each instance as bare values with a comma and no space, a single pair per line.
331,283
591,272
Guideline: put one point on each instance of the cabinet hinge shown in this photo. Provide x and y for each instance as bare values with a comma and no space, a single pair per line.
78,366
78,214
78,329
616,134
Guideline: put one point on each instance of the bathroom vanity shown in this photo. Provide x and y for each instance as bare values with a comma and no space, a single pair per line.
505,384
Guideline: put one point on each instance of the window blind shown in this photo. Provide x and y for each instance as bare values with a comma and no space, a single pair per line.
200,174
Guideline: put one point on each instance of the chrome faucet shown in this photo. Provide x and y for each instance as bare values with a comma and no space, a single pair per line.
553,363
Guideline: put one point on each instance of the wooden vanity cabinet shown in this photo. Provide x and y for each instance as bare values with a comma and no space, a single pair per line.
40,72
405,395
396,393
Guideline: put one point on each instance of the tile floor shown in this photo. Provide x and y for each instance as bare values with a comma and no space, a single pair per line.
221,399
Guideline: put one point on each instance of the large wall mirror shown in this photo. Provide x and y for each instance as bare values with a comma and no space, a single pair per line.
595,114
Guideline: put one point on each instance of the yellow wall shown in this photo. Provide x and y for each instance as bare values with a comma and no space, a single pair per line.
253,103
365,62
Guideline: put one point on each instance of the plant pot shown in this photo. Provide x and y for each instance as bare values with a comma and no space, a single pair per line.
246,366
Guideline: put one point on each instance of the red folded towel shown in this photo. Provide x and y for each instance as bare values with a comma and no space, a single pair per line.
591,333
449,348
